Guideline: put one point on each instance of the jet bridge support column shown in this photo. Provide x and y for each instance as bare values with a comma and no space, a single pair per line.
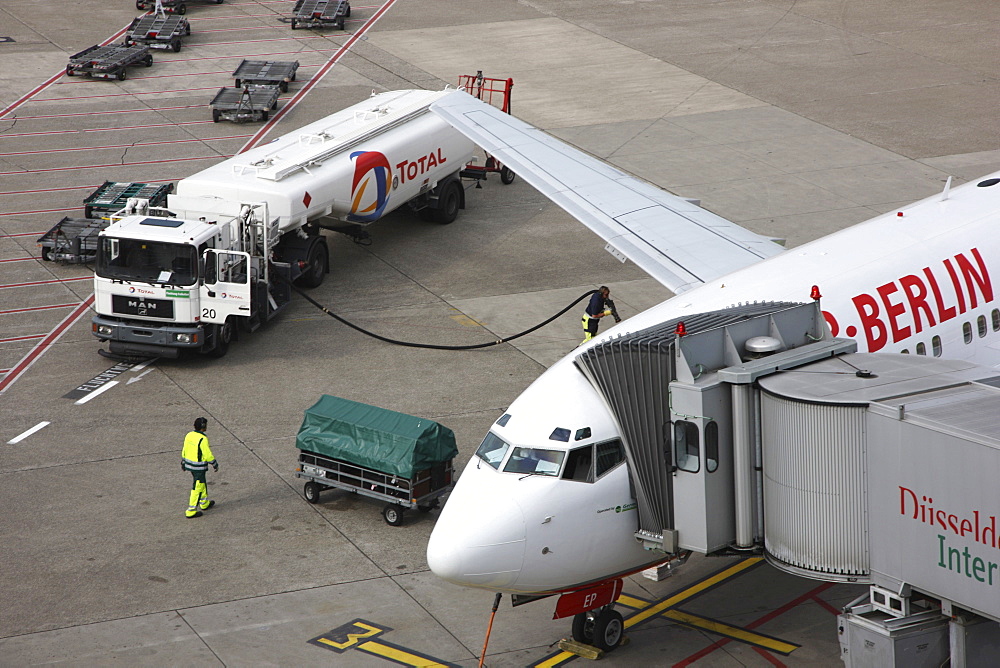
743,465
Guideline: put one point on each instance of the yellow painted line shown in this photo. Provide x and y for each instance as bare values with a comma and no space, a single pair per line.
553,661
654,610
734,632
352,638
466,321
399,656
632,602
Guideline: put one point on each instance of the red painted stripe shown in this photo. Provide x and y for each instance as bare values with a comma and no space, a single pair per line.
53,336
22,338
54,280
28,213
319,75
112,111
51,80
135,94
17,259
135,145
46,190
123,127
38,308
21,234
773,660
114,164
823,604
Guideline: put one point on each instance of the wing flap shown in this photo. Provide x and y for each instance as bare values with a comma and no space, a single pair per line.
675,241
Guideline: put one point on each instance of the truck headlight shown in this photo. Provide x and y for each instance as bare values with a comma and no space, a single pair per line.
182,338
103,330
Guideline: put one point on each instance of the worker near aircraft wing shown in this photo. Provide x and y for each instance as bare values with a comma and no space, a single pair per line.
196,458
600,305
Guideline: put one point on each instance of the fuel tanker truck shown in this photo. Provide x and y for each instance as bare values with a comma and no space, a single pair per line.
221,256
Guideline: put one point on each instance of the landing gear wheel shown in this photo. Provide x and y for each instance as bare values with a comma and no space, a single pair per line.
223,337
393,514
583,629
609,629
426,508
448,203
311,491
506,175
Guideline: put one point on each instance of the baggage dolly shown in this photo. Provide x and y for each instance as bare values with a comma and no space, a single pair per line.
72,240
403,460
313,13
251,103
158,31
112,196
108,62
169,6
266,72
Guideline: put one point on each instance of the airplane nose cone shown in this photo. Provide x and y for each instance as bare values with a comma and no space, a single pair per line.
478,540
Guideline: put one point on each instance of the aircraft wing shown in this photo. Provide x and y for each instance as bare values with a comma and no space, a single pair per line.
675,241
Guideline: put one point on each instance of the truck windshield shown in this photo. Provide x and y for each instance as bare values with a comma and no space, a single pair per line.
147,261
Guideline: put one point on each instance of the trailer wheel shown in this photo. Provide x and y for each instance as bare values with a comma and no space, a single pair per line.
216,115
311,491
283,86
348,12
175,44
506,175
181,9
46,253
274,105
88,212
69,71
426,508
294,24
448,203
187,29
122,74
263,115
218,2
148,62
393,514
140,5
340,23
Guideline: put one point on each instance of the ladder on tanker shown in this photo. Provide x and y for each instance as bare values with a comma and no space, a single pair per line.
495,92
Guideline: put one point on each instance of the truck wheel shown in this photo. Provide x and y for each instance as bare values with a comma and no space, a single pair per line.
506,175
317,265
393,514
448,203
223,337
311,491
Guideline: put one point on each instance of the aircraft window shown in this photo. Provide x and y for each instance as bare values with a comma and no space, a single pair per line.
492,450
905,351
936,346
504,419
995,315
967,331
559,434
534,460
686,446
609,455
921,348
582,434
579,464
981,325
711,446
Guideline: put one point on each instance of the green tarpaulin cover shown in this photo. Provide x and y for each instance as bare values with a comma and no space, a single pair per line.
374,438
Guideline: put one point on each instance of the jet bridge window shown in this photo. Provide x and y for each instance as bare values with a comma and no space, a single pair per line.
712,446
686,446
534,460
492,450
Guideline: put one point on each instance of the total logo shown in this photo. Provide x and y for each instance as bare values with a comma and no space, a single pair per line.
370,188
226,295
135,290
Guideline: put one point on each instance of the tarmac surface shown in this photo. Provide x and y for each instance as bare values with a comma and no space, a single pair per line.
794,119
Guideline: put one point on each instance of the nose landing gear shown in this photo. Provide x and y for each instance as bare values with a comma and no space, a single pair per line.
603,628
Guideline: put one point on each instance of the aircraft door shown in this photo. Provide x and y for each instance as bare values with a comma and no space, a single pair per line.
225,290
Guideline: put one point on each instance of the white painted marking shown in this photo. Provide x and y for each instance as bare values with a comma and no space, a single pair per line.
140,367
138,378
107,386
37,427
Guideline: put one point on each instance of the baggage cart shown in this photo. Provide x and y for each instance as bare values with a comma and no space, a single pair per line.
108,62
266,73
251,103
112,196
317,13
72,240
169,6
158,31
403,460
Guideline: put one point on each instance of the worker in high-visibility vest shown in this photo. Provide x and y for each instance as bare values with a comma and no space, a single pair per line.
600,305
196,458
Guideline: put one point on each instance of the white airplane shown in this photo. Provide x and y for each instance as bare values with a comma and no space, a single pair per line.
545,505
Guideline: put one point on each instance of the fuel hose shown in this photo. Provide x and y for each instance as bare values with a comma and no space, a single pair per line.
434,346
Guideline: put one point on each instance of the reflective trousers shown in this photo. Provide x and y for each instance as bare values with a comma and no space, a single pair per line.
198,499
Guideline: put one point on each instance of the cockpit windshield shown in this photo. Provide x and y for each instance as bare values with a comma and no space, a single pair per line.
492,450
534,460
147,261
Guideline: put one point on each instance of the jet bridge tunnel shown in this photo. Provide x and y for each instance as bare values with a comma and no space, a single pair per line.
751,428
